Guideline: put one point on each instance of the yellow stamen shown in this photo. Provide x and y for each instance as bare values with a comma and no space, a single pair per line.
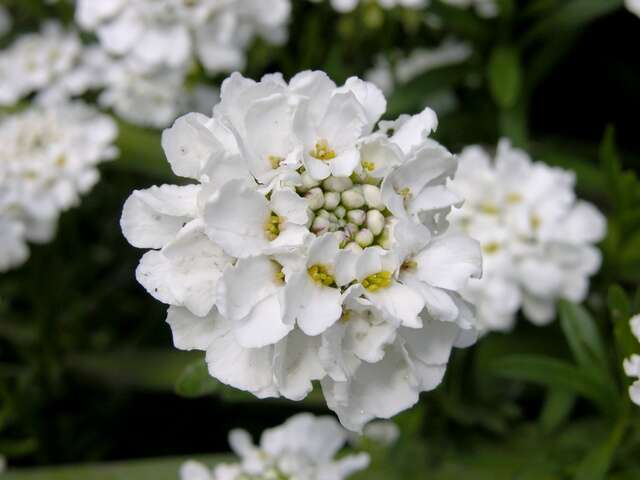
368,166
272,226
409,265
491,248
278,274
514,197
489,208
323,151
275,161
321,275
536,221
379,280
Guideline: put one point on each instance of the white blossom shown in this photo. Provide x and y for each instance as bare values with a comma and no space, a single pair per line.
310,246
303,448
171,33
537,238
48,159
36,60
484,8
345,6
631,365
633,6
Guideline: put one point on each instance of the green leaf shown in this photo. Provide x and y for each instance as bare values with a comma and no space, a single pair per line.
557,374
164,469
195,381
597,463
557,408
619,304
583,337
505,76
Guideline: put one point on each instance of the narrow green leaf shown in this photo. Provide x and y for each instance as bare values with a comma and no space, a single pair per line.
195,381
583,337
505,76
557,374
557,408
597,463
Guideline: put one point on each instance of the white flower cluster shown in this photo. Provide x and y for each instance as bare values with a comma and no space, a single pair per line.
537,238
35,60
484,8
632,364
157,34
48,158
312,247
303,448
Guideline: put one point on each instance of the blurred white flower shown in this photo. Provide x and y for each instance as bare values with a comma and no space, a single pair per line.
303,448
48,158
418,62
383,432
36,60
537,238
633,6
484,8
631,365
168,34
311,246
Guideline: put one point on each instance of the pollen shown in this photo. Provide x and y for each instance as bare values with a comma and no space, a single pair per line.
346,316
272,226
275,161
321,274
514,197
491,248
323,151
536,221
405,193
278,273
489,208
377,281
368,166
409,265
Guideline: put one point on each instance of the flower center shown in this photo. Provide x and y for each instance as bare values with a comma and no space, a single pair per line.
377,281
272,226
536,221
368,166
491,248
489,208
275,161
323,151
513,197
409,265
321,275
278,273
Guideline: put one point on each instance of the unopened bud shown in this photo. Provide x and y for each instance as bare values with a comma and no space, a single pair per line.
352,199
315,198
373,197
356,216
340,211
351,229
320,224
353,247
331,200
364,238
375,221
337,184
322,213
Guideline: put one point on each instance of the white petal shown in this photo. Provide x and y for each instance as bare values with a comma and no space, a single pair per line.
153,273
296,364
370,97
415,130
191,332
399,302
263,326
314,307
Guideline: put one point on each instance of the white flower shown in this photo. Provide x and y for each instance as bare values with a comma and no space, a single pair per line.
35,60
48,158
169,33
631,365
310,245
537,238
303,448
633,6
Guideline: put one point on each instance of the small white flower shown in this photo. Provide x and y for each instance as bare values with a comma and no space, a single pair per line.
633,6
303,448
308,242
537,238
48,159
631,365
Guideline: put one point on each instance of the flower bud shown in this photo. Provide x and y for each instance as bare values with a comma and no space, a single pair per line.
333,218
373,197
353,247
375,221
352,199
351,229
322,213
308,182
315,198
331,200
340,211
364,238
385,238
320,224
337,184
356,216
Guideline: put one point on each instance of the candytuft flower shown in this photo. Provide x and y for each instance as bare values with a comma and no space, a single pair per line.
310,246
303,448
537,238
48,159
631,365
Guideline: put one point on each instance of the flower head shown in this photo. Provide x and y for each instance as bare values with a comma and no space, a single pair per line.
537,238
310,246
631,365
48,158
303,448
